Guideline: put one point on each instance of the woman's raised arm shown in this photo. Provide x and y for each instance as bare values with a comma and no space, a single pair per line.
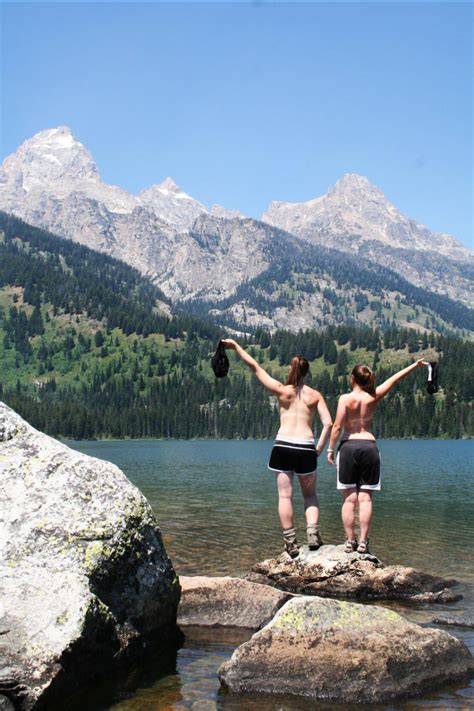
274,386
385,387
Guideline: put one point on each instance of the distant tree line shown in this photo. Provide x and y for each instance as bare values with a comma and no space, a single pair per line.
118,367
142,392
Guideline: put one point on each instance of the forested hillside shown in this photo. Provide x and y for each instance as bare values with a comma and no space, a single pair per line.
335,288
89,348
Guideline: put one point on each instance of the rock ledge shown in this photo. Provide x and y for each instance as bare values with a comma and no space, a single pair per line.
227,602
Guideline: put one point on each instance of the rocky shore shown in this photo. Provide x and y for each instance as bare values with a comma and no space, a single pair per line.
87,593
329,650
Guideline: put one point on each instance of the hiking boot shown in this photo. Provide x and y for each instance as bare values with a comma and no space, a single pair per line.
363,546
292,548
350,546
314,538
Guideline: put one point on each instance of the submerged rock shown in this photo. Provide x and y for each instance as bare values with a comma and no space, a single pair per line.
340,651
85,580
458,620
227,602
329,572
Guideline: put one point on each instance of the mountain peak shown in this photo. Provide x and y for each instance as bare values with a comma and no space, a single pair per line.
60,134
167,188
353,179
355,184
352,212
50,156
52,140
169,184
172,204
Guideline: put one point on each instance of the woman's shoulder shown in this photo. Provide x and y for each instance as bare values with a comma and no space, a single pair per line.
312,392
286,391
345,397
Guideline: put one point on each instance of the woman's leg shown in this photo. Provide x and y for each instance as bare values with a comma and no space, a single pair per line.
365,513
285,512
311,504
311,508
285,502
349,502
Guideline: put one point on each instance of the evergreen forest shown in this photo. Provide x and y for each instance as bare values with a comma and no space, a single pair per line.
90,348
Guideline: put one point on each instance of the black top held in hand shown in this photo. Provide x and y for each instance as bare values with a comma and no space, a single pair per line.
432,384
220,362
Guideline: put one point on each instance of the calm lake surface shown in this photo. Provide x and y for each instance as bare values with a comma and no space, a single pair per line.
215,502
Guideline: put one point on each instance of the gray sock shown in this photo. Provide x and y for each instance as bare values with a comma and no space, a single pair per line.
289,534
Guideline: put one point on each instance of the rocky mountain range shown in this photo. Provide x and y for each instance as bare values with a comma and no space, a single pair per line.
198,254
354,212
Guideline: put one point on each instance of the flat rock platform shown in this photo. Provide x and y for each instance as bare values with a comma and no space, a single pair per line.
330,572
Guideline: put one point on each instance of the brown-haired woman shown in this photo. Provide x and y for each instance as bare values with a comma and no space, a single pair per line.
294,451
358,459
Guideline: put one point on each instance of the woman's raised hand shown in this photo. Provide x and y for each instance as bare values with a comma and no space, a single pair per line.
229,343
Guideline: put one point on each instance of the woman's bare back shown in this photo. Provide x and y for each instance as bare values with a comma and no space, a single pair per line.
359,411
297,408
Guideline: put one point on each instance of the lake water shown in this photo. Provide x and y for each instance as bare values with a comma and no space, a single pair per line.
215,502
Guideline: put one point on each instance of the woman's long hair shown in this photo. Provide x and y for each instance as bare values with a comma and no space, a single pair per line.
364,378
298,369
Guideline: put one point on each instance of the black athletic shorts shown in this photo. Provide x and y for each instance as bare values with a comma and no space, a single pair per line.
293,455
358,465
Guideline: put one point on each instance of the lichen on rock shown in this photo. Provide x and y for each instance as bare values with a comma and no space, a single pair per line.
344,652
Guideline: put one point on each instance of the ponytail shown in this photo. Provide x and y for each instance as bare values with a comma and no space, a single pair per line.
298,369
364,378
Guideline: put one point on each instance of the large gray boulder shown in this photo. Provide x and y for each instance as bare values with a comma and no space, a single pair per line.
227,602
85,580
346,652
329,572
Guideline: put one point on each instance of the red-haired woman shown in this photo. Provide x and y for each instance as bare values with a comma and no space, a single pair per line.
295,450
358,459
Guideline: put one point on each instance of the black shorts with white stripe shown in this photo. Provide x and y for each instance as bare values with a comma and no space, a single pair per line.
294,455
358,465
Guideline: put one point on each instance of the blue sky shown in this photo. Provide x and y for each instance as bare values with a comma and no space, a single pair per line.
244,103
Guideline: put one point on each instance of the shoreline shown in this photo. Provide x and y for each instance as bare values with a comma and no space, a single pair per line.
60,438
